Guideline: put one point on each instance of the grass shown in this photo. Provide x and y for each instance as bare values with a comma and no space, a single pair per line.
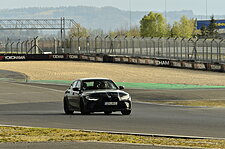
195,103
20,134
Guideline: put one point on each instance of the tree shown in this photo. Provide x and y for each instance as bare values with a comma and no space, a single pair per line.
212,28
134,31
78,31
184,28
175,31
153,25
204,31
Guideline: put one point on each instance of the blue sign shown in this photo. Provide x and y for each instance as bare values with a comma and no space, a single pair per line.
220,24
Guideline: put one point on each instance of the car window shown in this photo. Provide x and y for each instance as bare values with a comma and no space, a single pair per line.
98,84
74,84
78,85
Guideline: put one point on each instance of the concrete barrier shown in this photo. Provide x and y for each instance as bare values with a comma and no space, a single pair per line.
187,65
162,62
141,61
72,57
150,61
215,67
92,58
84,57
125,59
223,67
133,60
117,59
199,66
99,59
176,64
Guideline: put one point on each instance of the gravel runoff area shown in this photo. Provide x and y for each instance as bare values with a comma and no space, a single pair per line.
71,70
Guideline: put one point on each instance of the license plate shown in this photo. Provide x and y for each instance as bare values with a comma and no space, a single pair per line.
110,103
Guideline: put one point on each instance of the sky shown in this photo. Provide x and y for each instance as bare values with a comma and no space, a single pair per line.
215,7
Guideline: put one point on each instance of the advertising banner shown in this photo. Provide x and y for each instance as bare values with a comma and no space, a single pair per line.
220,24
15,57
1,58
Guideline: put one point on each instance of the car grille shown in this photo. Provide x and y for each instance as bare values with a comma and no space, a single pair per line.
109,96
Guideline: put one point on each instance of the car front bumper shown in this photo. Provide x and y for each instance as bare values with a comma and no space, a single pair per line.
100,106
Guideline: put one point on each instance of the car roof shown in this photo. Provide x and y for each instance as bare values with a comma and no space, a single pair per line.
85,79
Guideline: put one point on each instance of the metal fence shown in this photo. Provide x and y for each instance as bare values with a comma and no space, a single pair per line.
203,50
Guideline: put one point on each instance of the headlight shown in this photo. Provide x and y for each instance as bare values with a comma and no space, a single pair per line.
91,98
125,97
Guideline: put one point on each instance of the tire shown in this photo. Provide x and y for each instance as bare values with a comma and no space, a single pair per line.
126,112
66,107
83,109
108,112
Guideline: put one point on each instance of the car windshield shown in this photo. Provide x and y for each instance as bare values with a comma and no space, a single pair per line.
98,84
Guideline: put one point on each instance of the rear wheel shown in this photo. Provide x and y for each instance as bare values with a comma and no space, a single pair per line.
126,112
66,106
108,112
83,109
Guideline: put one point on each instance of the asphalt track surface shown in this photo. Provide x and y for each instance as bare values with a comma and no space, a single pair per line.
41,106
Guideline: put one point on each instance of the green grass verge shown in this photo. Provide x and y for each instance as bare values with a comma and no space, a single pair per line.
139,85
193,103
19,134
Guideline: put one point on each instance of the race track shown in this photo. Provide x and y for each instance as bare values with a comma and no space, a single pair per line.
41,106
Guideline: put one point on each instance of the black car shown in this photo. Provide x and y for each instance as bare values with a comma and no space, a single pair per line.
96,95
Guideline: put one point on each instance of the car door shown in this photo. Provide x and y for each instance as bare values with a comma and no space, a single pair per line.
72,95
76,95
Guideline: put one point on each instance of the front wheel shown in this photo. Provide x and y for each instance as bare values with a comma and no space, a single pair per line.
83,109
66,106
126,112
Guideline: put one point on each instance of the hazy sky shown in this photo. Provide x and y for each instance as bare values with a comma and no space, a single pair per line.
198,6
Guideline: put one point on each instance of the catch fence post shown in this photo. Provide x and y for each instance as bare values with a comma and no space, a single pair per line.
12,47
220,60
181,48
6,47
204,41
17,47
133,48
211,51
174,50
96,47
22,45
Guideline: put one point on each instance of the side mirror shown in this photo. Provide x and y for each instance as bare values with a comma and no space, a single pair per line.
121,87
76,89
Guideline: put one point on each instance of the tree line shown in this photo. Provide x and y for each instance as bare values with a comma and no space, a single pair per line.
155,25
